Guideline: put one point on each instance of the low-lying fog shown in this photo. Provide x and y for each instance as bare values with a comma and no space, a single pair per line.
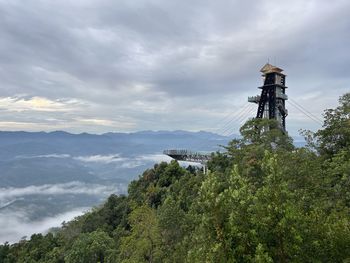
37,208
48,178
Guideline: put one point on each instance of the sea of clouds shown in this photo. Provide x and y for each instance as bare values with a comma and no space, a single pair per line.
16,223
16,226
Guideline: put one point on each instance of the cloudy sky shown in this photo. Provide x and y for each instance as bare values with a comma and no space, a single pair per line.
106,65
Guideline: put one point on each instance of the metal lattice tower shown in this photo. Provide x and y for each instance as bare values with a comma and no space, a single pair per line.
271,102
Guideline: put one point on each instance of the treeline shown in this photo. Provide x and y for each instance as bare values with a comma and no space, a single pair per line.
263,201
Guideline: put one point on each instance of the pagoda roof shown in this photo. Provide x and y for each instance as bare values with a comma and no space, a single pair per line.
268,68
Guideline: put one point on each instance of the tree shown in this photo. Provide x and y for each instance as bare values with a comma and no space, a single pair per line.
337,175
144,242
275,214
4,251
266,133
91,247
172,223
335,135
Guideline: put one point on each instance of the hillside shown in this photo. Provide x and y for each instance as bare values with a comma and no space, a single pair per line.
263,201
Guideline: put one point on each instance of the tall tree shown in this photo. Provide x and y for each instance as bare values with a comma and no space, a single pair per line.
94,247
335,135
144,242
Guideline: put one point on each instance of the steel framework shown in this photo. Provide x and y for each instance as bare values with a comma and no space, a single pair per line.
271,102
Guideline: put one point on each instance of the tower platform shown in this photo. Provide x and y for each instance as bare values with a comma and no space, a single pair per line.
189,156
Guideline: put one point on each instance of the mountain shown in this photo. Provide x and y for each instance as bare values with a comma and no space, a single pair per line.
45,176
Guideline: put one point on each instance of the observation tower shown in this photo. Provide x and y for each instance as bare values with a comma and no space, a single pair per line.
271,102
271,105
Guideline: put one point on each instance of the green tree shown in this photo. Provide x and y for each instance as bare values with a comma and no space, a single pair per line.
275,214
144,242
335,135
266,133
91,247
4,251
172,223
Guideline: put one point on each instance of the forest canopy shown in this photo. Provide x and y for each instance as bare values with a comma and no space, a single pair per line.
263,200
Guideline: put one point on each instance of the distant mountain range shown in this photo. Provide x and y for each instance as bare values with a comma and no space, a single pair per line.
46,176
34,158
13,144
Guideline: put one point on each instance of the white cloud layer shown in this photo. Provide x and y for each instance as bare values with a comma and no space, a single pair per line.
19,104
53,155
17,223
116,158
8,193
105,159
128,162
14,225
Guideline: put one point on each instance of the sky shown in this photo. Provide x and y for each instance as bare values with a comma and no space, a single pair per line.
108,65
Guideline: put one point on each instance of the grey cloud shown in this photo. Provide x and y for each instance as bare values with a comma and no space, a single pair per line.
138,62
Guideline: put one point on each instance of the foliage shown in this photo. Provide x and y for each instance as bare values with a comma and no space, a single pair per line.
335,135
144,242
91,247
